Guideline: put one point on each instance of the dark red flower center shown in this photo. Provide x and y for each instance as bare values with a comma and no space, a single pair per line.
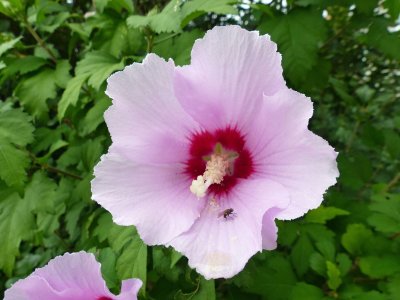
104,298
203,145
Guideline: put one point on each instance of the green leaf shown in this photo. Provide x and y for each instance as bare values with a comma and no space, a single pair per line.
356,238
40,193
301,253
168,20
298,35
12,8
206,290
394,8
334,277
380,267
379,37
272,278
36,90
24,65
323,214
16,222
98,66
71,94
4,47
94,116
304,291
195,8
132,253
386,216
15,127
13,163
62,75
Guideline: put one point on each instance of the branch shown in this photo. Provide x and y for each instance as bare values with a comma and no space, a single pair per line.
40,41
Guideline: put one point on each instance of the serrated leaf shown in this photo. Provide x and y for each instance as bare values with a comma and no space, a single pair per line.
386,216
298,35
36,90
334,276
13,163
94,116
356,238
97,66
23,65
16,222
323,214
4,47
71,94
15,127
132,257
380,267
40,193
168,20
195,8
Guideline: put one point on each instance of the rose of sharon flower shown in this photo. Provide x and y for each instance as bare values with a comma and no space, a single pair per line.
73,276
204,157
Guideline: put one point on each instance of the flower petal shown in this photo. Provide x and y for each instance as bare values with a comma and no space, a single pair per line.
129,287
71,276
269,230
220,247
146,121
285,151
231,68
154,198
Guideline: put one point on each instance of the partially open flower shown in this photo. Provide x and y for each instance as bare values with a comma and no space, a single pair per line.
206,156
73,276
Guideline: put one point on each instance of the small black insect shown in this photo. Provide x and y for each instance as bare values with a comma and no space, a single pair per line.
227,213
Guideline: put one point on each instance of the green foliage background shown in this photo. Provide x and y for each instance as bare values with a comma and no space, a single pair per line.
54,59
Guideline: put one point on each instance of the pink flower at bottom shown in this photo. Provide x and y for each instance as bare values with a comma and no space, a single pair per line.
206,156
73,276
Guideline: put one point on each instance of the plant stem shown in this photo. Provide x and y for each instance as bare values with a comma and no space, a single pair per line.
40,41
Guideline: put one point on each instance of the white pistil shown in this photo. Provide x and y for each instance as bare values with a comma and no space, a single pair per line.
216,169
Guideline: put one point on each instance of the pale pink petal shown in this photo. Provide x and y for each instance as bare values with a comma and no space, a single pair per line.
220,247
146,121
269,230
285,151
129,287
154,198
73,276
231,68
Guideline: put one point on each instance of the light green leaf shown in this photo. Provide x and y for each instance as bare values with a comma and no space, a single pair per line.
62,75
356,238
15,127
36,90
323,214
98,66
40,193
71,94
16,223
94,116
380,267
12,8
195,8
334,277
4,47
23,65
206,290
13,163
168,20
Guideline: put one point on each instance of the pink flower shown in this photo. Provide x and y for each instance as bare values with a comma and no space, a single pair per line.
73,276
206,156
